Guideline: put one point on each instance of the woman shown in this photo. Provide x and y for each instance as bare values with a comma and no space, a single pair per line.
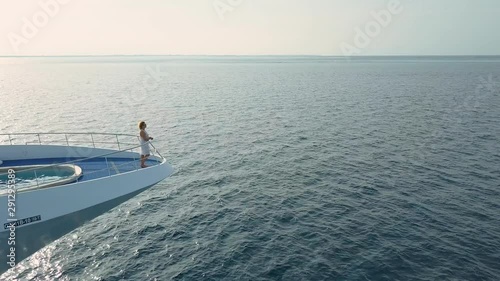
144,140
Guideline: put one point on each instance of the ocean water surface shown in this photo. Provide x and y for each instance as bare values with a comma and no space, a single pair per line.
287,168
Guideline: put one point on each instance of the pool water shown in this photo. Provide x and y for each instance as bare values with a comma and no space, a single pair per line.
32,175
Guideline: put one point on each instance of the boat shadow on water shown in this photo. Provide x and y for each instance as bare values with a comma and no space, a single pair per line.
50,231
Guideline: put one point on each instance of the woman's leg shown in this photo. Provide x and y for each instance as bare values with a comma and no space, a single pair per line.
143,160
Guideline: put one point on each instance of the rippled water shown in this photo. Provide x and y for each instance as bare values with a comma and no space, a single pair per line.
286,168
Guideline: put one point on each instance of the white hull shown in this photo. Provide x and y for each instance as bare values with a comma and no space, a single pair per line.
67,206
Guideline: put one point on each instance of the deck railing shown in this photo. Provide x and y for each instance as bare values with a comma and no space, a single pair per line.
116,140
69,140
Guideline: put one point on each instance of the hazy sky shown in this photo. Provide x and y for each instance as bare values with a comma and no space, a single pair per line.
249,27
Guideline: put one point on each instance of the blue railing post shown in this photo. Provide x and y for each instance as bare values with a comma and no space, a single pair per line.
118,142
107,166
36,179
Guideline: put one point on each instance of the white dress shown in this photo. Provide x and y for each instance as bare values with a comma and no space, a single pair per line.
144,144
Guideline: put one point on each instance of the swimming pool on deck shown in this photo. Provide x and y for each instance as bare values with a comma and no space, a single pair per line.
81,170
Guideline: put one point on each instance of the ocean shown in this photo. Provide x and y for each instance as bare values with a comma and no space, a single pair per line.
287,168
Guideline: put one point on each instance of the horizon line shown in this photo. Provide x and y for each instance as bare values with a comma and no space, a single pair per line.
266,55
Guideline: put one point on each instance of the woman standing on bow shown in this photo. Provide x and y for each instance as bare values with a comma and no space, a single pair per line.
144,139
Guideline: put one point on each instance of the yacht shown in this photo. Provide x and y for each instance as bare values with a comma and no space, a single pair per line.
52,183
